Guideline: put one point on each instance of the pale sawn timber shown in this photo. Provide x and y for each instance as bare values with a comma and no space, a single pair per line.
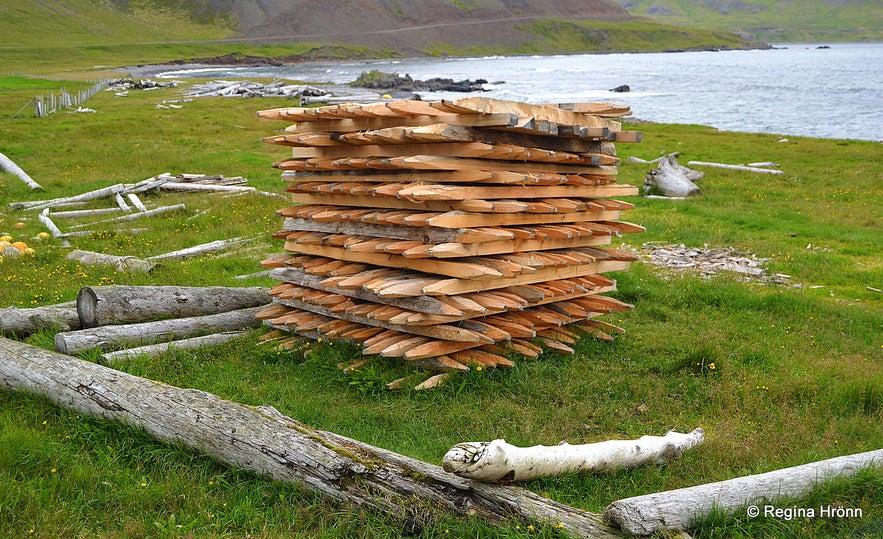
264,441
107,337
8,165
121,304
23,322
676,509
498,461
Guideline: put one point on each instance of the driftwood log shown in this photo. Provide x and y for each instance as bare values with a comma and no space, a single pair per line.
498,461
676,509
120,263
153,350
8,165
743,168
672,179
266,442
107,337
22,322
119,304
199,250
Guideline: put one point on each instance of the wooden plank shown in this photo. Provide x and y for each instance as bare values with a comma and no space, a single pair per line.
460,270
368,124
468,220
422,234
451,250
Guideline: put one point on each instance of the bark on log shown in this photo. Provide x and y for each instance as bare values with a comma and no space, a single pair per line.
498,461
22,322
107,337
676,509
153,350
672,179
121,263
119,304
264,441
8,165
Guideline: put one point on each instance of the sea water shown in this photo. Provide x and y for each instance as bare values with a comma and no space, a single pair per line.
825,91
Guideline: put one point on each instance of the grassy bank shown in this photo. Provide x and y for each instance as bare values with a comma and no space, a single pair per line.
797,369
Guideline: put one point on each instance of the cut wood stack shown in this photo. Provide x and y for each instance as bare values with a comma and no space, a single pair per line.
448,233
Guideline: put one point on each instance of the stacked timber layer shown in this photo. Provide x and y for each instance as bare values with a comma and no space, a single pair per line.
448,233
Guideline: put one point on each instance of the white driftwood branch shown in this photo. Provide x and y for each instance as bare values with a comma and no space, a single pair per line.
90,195
107,337
499,461
8,165
184,186
133,198
676,509
121,263
122,304
734,167
121,202
264,441
153,350
21,322
197,250
133,216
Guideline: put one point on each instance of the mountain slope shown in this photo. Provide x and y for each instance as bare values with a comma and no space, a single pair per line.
771,20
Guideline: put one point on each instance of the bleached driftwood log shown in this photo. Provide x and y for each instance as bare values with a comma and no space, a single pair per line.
22,322
107,337
186,186
8,165
121,263
672,179
734,167
202,249
90,195
153,350
75,214
120,304
676,509
137,215
264,441
498,461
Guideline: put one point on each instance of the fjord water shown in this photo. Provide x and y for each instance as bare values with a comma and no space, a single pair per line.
793,89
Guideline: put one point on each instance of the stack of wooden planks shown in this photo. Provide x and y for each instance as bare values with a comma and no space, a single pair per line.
450,233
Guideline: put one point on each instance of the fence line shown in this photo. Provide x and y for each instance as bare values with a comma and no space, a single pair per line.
46,105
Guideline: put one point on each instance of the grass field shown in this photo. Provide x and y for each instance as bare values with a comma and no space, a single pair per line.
797,377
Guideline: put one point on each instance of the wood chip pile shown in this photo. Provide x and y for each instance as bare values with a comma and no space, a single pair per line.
450,233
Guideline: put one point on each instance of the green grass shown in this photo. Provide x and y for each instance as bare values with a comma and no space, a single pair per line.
797,370
768,20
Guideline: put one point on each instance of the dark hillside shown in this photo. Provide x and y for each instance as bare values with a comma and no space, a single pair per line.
406,26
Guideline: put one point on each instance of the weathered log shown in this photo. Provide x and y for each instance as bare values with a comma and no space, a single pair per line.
186,186
676,509
197,250
153,350
22,322
264,441
75,214
499,461
672,179
121,263
90,195
119,304
137,215
8,165
734,167
107,337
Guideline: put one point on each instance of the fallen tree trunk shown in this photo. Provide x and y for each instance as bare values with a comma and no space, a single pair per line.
153,350
121,263
498,461
119,304
8,165
138,215
22,322
107,337
264,441
91,195
676,509
197,250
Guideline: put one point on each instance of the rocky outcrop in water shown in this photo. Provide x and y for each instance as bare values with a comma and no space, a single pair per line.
380,80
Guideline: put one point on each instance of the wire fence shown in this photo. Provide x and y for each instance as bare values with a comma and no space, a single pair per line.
45,105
